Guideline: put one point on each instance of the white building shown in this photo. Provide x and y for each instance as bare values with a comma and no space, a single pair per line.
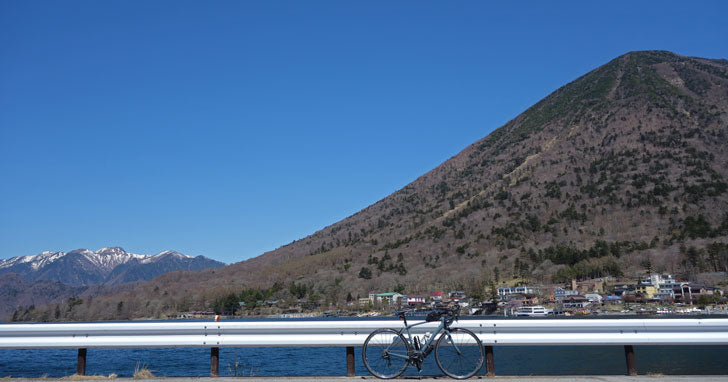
665,293
660,280
503,291
415,300
389,297
594,298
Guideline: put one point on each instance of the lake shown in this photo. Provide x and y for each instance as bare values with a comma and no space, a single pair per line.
331,361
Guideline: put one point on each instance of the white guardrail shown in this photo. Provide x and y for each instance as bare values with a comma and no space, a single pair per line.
534,332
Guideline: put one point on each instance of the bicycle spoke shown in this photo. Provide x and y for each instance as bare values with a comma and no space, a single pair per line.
459,355
384,353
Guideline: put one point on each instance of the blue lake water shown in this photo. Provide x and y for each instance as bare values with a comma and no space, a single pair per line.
331,361
550,360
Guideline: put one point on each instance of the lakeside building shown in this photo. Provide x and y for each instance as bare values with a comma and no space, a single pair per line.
620,290
688,293
577,301
594,298
561,293
457,295
510,307
587,286
437,296
646,290
665,294
387,297
198,314
660,280
415,301
526,299
713,290
364,301
503,291
660,287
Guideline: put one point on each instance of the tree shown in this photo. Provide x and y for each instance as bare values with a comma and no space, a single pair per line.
695,227
298,290
718,256
704,300
493,294
227,304
647,264
692,255
365,273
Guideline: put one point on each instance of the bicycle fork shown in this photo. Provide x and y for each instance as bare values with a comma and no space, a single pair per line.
457,349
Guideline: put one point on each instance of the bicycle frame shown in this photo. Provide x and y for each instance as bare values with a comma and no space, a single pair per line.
441,330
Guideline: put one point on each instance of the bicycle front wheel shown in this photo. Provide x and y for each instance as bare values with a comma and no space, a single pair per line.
385,353
459,354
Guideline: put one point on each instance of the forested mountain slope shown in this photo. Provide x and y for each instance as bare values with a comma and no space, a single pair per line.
621,170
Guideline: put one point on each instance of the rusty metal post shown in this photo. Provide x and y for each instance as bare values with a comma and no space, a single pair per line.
629,354
214,362
489,363
81,365
349,361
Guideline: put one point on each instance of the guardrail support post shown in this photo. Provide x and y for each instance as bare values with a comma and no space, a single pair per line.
489,364
214,362
629,354
81,365
349,361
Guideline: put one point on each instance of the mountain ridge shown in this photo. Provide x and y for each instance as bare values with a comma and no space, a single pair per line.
53,276
82,267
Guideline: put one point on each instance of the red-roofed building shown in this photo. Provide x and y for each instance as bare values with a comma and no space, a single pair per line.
436,295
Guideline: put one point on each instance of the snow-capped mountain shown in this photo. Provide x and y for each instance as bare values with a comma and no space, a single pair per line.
111,265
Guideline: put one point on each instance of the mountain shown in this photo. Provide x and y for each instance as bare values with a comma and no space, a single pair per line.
106,266
51,277
16,291
618,172
147,268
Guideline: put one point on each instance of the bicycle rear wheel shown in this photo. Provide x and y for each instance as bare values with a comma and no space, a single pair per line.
385,353
460,354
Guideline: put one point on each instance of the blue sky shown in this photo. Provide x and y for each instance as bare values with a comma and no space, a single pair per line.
227,129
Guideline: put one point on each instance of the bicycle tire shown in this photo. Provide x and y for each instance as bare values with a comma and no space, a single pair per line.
375,352
459,355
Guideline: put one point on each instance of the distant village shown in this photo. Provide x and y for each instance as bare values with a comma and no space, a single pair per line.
656,294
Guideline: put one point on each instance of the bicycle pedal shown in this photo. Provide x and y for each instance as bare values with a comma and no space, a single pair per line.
418,364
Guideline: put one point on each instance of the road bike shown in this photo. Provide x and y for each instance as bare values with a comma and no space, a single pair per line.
458,351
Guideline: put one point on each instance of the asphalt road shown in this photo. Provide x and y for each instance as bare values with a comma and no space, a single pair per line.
610,378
